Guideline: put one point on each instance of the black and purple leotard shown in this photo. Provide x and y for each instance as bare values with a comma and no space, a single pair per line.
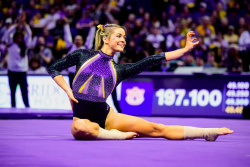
95,78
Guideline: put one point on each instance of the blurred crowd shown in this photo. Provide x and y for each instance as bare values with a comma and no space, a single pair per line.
47,30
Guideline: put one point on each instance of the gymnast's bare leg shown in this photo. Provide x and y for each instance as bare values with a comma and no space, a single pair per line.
126,123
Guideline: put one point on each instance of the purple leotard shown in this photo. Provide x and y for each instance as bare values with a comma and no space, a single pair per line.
95,78
97,74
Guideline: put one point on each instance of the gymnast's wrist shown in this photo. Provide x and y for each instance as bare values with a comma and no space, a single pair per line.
186,50
68,90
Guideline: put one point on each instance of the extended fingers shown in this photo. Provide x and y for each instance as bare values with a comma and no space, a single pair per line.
72,98
189,35
75,100
196,43
193,39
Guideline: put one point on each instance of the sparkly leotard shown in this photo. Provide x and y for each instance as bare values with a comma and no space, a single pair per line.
97,75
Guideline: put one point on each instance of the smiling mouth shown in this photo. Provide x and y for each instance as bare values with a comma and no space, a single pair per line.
121,45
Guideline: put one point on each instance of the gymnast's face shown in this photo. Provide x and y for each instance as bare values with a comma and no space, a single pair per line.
117,40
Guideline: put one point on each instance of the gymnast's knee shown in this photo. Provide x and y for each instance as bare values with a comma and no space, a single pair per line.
158,129
84,129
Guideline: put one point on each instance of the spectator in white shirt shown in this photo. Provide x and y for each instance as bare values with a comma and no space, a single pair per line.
244,48
18,59
155,38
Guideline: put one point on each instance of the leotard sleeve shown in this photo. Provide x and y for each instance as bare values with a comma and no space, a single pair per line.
64,63
130,69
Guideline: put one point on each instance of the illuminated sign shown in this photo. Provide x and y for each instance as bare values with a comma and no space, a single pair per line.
135,96
216,96
43,93
237,96
196,97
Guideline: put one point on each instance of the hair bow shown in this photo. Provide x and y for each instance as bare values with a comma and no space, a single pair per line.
100,26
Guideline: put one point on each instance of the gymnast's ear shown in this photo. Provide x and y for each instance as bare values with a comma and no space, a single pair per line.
105,40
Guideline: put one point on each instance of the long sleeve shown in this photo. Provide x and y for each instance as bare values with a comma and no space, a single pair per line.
244,41
10,33
69,61
128,70
90,38
67,36
28,36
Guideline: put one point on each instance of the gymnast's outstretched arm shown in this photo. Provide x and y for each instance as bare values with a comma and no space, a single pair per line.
131,69
180,52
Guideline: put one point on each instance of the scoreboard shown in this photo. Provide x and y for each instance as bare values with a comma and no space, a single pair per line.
189,95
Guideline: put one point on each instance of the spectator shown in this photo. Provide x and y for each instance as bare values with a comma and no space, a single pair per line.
233,17
35,66
173,39
223,26
42,52
147,21
215,20
51,20
18,59
167,25
49,39
242,26
201,13
189,60
185,13
206,29
231,37
165,66
140,13
31,9
37,21
172,15
199,61
137,28
233,62
62,37
200,49
4,29
244,47
155,38
83,24
219,8
211,60
131,21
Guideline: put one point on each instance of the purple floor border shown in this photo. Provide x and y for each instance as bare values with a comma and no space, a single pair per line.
39,142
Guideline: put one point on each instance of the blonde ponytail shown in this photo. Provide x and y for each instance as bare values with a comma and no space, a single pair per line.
103,31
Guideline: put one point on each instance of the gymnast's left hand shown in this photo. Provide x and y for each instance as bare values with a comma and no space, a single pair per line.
190,41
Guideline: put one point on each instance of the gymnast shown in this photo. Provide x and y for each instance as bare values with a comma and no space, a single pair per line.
95,78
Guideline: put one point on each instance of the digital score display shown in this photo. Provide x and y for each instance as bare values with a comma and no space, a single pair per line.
237,96
200,96
186,95
196,97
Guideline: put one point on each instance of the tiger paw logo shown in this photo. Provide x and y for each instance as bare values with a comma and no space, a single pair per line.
135,96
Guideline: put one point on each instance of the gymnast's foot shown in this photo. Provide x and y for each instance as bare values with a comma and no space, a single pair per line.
210,134
131,135
213,133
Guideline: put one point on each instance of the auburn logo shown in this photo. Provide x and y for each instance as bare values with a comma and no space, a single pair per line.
135,96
